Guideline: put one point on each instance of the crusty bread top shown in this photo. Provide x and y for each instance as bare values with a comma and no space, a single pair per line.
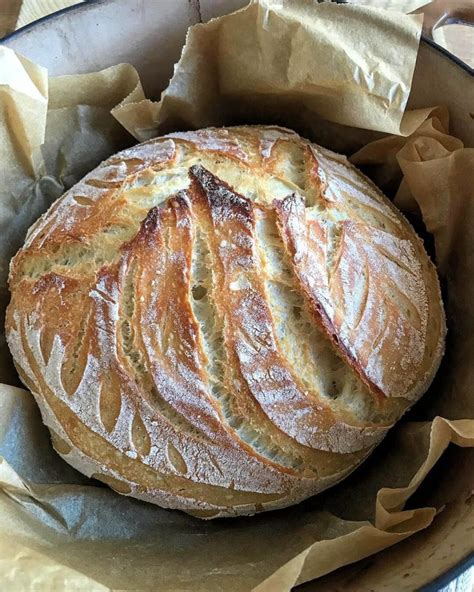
223,321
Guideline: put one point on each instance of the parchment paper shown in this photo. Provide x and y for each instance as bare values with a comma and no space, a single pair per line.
280,57
406,6
32,10
61,531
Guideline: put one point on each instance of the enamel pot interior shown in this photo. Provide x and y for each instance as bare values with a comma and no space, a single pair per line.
150,36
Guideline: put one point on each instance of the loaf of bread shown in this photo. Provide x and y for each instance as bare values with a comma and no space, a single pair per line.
224,321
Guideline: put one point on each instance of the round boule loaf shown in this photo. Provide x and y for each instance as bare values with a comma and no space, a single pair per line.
223,321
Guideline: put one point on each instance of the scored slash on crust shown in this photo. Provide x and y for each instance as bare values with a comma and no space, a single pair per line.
194,399
251,335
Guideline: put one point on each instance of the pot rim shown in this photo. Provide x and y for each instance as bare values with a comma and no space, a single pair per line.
449,576
468,561
91,3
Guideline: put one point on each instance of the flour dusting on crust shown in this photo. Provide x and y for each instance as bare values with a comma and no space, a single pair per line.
223,321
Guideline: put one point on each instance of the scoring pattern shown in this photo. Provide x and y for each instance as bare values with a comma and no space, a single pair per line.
223,346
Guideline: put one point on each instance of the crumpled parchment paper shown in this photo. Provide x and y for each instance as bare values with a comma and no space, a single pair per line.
307,66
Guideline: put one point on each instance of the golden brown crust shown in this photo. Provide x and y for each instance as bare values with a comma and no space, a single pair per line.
250,339
223,321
